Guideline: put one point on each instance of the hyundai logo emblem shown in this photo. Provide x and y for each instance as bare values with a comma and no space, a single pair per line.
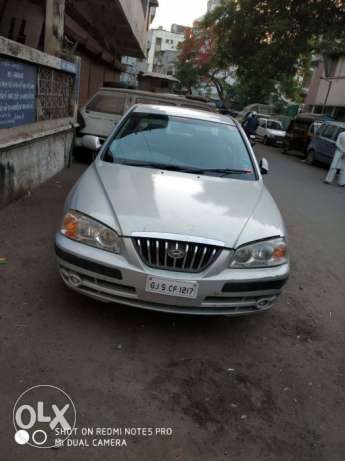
176,253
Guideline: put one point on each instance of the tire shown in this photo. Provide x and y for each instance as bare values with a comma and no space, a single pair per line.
310,160
266,141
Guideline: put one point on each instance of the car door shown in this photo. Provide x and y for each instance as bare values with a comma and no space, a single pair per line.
317,143
327,144
261,129
103,111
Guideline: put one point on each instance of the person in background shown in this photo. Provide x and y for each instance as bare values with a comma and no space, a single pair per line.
250,124
338,162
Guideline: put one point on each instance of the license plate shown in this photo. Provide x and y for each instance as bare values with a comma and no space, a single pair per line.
171,287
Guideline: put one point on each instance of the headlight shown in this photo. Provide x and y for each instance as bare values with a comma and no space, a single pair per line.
84,229
268,253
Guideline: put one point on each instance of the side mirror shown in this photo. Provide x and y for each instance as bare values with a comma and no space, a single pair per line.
91,142
264,168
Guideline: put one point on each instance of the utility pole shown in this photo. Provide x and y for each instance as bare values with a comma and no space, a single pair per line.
330,83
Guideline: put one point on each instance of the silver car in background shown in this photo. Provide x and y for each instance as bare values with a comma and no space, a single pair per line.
174,216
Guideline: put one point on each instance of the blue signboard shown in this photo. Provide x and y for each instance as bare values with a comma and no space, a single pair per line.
18,89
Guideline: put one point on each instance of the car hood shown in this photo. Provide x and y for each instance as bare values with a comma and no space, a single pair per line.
276,132
132,199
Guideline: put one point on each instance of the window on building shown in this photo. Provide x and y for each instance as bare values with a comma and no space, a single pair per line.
11,28
21,35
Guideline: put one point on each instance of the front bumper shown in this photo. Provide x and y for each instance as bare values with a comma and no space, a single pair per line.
118,279
276,141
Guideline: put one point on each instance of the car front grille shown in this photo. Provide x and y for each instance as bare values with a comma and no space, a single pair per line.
191,257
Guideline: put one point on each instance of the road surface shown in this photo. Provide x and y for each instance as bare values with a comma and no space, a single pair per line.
250,389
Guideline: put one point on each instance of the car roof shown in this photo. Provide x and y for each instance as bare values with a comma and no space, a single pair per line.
183,112
312,117
330,122
153,94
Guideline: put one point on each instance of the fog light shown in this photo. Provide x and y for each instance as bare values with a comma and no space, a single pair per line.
75,280
265,303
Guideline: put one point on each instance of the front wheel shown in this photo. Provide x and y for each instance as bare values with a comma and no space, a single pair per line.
266,141
310,160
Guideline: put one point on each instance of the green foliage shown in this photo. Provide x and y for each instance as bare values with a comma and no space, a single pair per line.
199,62
270,41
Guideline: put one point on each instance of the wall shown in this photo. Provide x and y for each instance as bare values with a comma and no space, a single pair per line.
23,167
23,22
38,99
138,21
92,76
319,86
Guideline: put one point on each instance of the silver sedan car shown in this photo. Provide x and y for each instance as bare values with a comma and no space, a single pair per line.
173,216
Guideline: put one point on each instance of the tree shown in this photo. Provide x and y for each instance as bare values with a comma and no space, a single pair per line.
268,39
198,61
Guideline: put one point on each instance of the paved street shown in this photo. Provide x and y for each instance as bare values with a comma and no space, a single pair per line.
250,389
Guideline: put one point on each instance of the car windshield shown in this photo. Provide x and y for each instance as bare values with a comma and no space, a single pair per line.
181,144
273,125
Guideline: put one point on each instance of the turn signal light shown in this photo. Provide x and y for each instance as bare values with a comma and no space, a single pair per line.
70,225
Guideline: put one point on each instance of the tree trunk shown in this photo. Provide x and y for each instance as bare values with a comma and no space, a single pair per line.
219,87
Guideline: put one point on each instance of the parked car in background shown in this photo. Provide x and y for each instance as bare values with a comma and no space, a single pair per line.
242,116
323,145
262,110
99,115
174,216
301,130
270,131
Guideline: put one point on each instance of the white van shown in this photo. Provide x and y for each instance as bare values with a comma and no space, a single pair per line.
99,115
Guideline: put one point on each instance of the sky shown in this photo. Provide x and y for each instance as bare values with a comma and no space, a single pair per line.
182,12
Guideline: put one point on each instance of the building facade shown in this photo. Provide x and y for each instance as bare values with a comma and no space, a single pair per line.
53,54
163,49
98,31
326,93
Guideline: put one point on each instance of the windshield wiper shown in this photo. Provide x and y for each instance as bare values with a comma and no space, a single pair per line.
185,169
223,171
160,166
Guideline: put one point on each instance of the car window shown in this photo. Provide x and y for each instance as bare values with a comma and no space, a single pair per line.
321,129
315,128
262,122
329,131
107,104
182,142
273,125
301,125
338,131
154,101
